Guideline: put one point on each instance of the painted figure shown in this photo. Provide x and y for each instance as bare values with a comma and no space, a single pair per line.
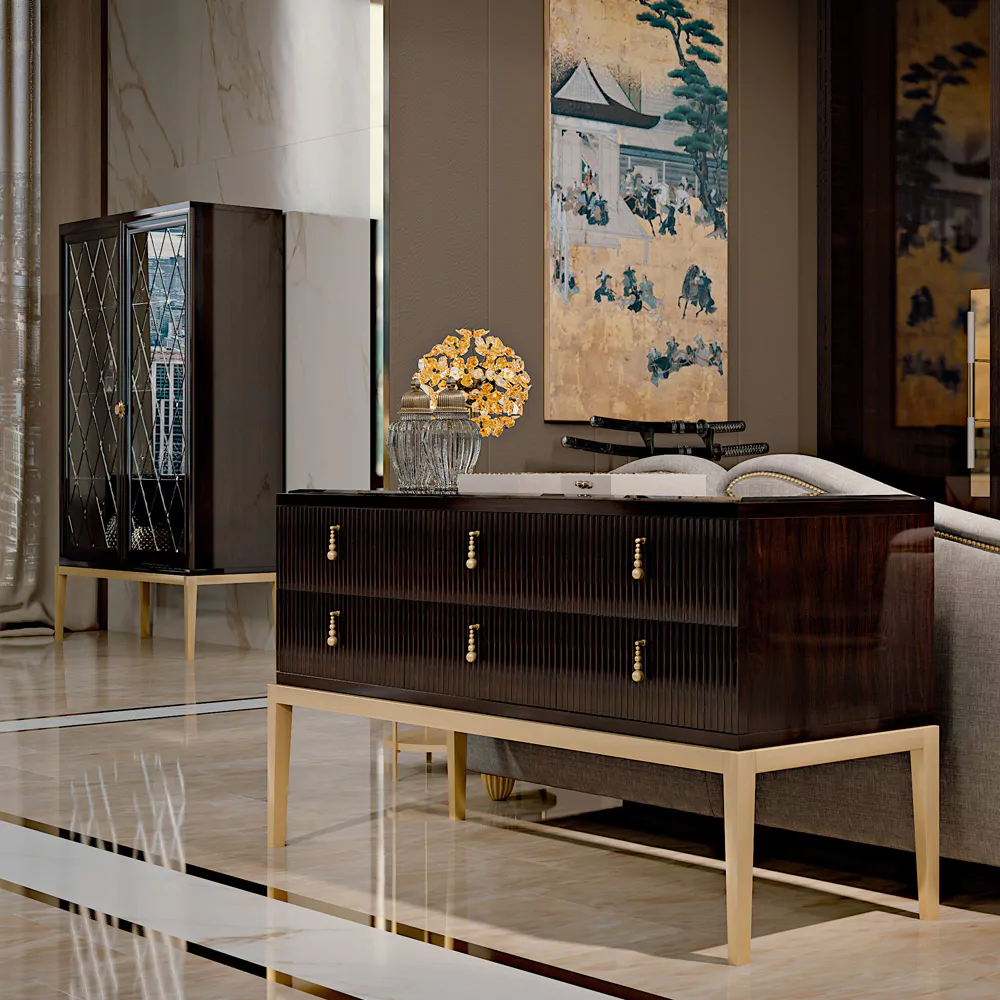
604,289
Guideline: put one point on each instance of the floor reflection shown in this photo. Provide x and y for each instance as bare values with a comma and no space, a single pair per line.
153,829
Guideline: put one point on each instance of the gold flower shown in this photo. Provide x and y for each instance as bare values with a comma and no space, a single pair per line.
494,375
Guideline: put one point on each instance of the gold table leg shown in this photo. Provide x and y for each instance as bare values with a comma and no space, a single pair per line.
926,783
60,610
279,748
457,744
145,629
739,791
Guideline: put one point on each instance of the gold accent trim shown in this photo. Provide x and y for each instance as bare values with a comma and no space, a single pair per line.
637,674
470,656
967,541
816,491
331,636
637,571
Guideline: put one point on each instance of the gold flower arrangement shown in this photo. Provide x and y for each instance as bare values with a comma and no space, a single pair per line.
491,373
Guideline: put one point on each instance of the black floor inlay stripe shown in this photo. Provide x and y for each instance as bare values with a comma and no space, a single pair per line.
411,931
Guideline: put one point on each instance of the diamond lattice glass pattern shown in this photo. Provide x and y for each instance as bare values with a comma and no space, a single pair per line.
92,391
158,416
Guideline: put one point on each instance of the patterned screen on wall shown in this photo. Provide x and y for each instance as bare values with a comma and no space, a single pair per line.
637,233
942,201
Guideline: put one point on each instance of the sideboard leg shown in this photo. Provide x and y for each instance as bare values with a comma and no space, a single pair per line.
144,594
456,775
739,793
925,778
60,612
190,616
279,747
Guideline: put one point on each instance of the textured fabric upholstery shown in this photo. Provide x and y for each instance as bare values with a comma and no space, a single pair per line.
716,476
868,800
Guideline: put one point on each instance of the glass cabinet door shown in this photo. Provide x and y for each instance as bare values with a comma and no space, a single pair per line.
93,406
157,269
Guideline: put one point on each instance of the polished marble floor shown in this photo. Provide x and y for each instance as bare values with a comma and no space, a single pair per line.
140,843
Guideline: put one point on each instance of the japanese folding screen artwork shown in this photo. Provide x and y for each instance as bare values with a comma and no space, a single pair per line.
942,200
638,211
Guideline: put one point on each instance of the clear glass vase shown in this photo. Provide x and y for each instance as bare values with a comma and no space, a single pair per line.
453,445
406,442
453,439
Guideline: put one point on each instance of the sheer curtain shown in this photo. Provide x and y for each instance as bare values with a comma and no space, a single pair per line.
20,339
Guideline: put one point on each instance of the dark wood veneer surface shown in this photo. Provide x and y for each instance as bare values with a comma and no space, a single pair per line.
763,621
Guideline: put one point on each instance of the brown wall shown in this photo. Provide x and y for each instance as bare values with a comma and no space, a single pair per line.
71,166
467,196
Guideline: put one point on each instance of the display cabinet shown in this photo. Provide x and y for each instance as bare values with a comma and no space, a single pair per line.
172,396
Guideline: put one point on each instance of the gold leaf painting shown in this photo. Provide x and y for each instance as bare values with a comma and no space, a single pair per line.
637,234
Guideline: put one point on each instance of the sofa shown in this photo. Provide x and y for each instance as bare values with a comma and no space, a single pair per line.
869,800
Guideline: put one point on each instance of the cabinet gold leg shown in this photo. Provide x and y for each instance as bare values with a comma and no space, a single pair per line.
925,779
60,610
739,792
279,747
395,751
457,743
145,629
190,616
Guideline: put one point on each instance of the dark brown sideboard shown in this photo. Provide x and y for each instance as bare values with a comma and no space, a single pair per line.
748,624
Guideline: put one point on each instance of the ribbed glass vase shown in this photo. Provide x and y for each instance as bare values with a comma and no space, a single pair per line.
406,442
453,439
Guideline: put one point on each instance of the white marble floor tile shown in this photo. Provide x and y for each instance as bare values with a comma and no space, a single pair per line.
314,946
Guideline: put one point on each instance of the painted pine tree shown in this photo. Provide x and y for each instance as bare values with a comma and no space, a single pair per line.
706,107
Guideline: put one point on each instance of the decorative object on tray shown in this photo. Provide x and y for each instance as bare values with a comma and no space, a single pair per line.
648,430
453,439
406,441
487,368
580,484
497,788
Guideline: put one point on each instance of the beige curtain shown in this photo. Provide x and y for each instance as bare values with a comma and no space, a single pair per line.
20,269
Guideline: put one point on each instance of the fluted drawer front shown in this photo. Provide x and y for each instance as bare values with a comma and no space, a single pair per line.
371,647
562,662
680,569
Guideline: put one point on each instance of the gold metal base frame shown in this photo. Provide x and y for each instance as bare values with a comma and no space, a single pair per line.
145,580
739,770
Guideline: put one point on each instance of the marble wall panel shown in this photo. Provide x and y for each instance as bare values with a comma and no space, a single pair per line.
197,82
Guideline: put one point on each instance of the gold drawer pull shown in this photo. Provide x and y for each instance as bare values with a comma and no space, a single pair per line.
331,552
331,637
470,562
470,656
120,410
637,675
637,571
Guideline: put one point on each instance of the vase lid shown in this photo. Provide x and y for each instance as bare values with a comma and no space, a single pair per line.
452,399
415,400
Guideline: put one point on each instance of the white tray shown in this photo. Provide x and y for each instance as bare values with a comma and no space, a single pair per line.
625,484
